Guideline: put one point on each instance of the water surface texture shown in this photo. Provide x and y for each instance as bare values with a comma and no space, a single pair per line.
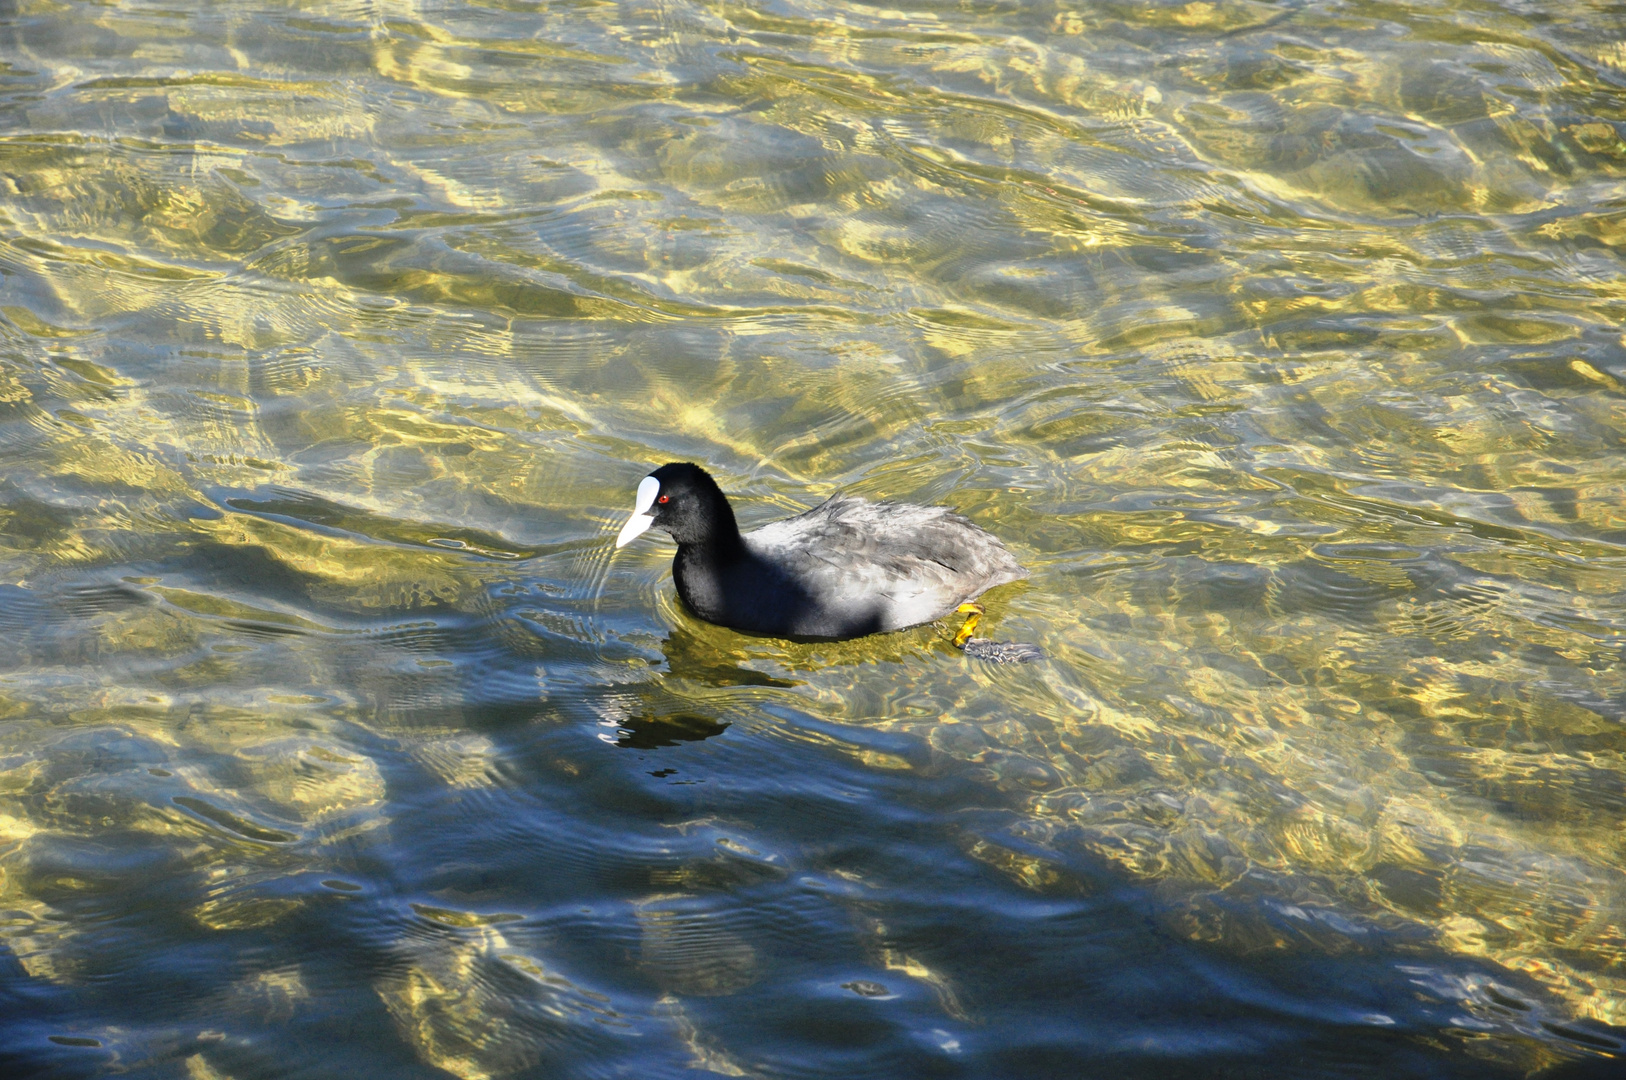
1281,341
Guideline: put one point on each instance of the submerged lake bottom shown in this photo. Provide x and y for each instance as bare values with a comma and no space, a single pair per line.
647,853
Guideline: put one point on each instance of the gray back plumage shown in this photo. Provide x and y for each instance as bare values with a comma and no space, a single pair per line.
896,564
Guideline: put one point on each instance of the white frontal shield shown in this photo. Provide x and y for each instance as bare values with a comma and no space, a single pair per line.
641,518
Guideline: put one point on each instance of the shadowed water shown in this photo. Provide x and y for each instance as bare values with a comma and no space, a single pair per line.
1280,341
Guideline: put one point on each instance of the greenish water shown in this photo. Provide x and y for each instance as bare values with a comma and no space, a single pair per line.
1281,341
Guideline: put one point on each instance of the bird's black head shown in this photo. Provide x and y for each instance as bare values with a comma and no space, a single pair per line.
683,499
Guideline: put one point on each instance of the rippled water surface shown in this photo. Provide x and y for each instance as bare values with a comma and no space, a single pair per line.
1281,341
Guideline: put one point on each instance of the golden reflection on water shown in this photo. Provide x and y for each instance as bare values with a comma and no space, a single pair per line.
1282,343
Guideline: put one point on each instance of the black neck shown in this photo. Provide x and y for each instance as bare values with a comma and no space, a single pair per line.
708,530
721,543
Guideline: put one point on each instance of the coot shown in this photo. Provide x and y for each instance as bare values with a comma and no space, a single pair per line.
846,568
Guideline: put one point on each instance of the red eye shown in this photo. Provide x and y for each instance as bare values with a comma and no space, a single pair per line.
661,499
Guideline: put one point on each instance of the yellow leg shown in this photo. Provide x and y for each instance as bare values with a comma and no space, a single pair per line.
973,616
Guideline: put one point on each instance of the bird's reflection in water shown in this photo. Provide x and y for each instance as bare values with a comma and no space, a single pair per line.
707,659
653,732
702,658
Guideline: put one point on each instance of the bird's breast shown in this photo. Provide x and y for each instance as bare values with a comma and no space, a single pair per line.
700,585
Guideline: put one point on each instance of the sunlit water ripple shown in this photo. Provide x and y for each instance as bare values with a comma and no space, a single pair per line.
1281,341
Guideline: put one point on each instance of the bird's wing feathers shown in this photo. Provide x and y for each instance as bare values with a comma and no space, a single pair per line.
918,562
